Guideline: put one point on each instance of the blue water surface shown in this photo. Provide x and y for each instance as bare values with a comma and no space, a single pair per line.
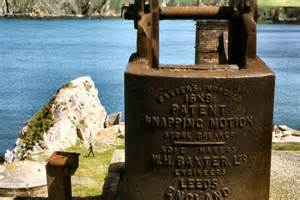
38,56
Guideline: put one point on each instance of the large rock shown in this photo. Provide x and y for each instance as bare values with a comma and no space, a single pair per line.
282,134
23,179
112,119
61,8
73,114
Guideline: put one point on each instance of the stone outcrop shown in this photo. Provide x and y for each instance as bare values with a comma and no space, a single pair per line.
60,8
283,134
73,115
112,119
23,179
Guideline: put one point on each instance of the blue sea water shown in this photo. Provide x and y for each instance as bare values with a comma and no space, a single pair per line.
38,56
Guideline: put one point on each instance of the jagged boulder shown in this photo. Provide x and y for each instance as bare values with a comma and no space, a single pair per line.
73,114
3,8
283,134
61,8
112,119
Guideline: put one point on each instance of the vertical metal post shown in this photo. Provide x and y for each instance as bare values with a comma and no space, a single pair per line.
59,187
155,33
242,33
141,36
60,167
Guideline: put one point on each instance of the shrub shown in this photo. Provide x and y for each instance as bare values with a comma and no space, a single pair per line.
37,125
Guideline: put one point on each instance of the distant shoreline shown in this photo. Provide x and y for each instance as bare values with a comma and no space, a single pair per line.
25,16
267,15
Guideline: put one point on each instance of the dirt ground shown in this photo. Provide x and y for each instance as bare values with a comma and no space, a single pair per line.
285,176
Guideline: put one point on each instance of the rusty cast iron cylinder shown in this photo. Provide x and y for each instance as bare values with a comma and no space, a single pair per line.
198,132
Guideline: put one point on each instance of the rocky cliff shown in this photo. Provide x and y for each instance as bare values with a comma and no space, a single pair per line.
279,14
61,8
112,8
74,114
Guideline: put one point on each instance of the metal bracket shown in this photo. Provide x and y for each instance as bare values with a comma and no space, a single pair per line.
242,32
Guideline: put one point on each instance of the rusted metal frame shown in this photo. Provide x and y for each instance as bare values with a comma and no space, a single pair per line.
250,29
242,45
60,167
182,12
249,22
242,34
144,38
142,20
194,12
155,33
147,25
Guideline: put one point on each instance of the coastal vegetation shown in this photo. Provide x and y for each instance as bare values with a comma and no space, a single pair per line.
74,113
100,8
38,125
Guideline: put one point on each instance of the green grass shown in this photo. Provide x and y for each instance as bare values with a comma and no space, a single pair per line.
286,147
278,2
89,177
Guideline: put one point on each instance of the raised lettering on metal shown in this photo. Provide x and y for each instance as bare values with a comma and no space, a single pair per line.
198,132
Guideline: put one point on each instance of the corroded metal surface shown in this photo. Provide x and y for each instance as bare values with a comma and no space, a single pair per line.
204,12
60,167
202,131
65,162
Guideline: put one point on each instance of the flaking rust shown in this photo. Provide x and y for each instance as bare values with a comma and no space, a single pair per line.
198,131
